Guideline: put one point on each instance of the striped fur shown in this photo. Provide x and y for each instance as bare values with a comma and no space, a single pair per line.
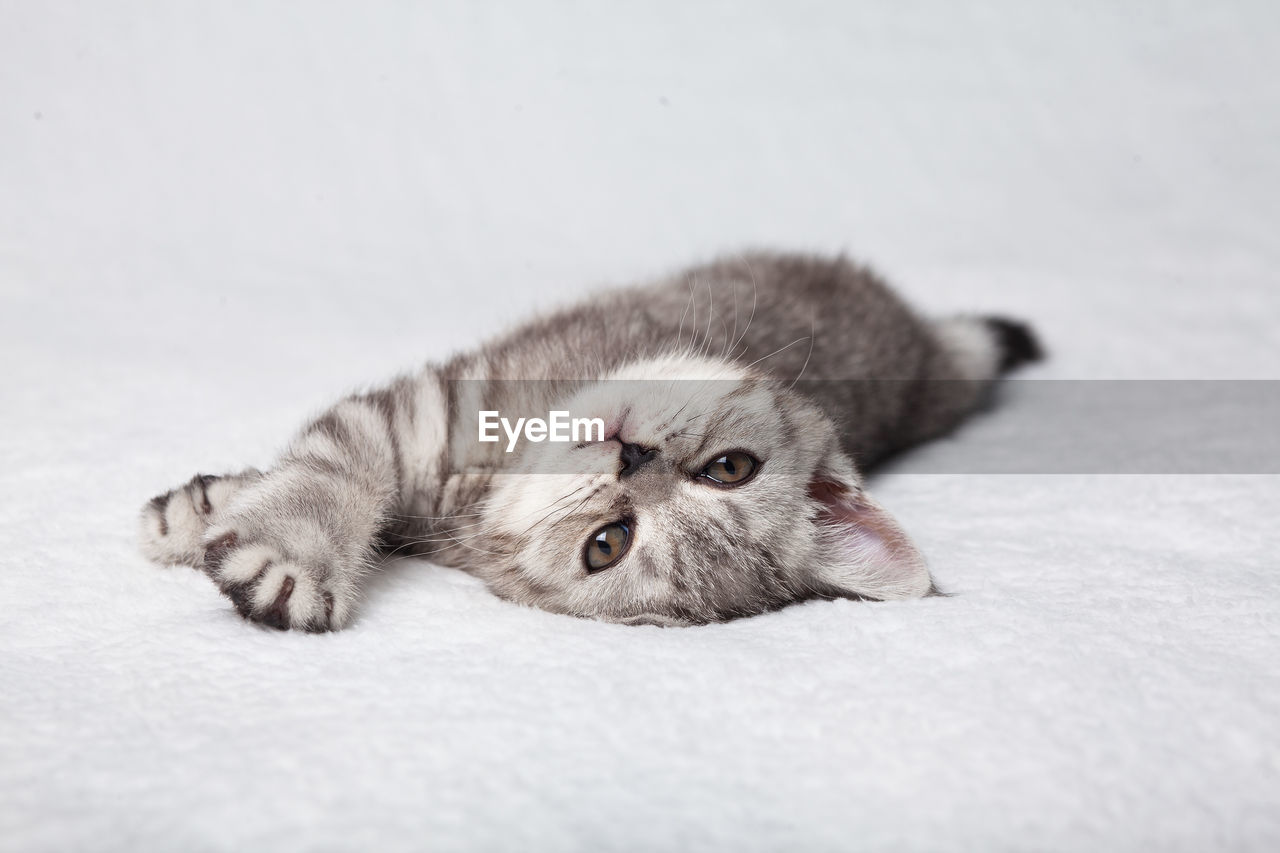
806,363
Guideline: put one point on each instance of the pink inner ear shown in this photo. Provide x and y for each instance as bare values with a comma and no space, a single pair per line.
844,505
885,562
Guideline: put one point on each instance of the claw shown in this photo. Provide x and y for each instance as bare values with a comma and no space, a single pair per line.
160,503
204,480
320,626
277,615
216,551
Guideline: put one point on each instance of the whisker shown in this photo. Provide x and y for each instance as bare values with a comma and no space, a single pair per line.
552,509
724,352
435,517
812,329
711,313
778,350
680,333
755,293
565,513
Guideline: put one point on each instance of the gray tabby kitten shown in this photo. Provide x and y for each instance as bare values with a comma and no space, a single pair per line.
724,486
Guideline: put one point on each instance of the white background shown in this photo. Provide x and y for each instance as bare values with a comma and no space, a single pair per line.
215,218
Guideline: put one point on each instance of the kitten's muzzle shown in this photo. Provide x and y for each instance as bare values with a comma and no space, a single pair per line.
634,456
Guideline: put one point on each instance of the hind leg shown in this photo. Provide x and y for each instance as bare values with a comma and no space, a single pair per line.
971,354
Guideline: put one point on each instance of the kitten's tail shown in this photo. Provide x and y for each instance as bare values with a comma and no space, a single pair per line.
1016,343
987,347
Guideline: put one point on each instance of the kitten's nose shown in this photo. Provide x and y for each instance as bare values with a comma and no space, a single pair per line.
633,456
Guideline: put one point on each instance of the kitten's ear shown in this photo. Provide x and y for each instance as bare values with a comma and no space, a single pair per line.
864,550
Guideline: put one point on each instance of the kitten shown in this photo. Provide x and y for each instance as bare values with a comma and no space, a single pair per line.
735,398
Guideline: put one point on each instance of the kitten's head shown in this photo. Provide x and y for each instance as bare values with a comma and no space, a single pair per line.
717,493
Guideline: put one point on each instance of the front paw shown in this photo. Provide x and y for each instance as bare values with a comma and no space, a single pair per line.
270,587
172,525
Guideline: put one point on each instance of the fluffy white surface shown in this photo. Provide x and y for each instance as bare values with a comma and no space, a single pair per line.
214,218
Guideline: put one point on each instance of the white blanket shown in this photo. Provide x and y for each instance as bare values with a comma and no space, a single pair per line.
216,218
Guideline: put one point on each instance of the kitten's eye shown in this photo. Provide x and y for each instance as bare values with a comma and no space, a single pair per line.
606,546
732,469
